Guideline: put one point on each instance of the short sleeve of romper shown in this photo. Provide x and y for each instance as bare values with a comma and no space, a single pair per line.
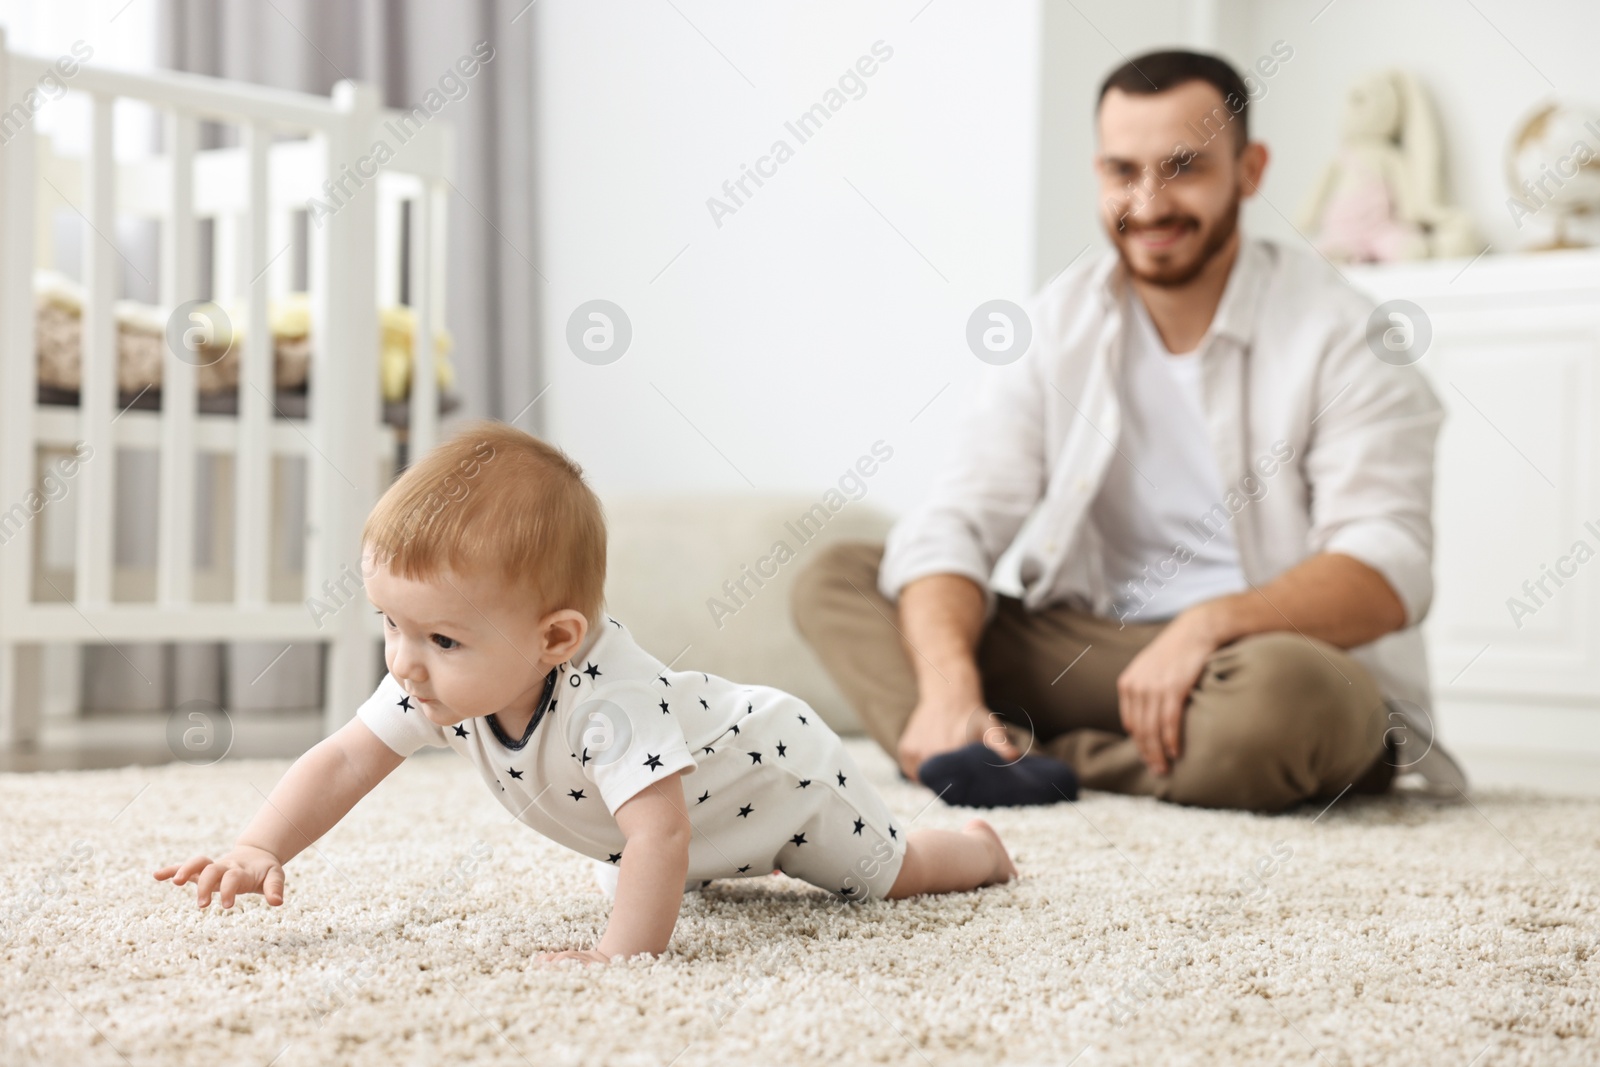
398,722
627,741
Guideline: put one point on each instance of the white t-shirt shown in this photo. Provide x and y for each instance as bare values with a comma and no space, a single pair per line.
1166,542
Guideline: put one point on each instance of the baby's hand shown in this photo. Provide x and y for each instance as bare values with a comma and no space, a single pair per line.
581,955
244,870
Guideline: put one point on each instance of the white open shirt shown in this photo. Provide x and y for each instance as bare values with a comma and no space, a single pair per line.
1285,362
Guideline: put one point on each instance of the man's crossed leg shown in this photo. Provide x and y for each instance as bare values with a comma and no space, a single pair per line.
1274,719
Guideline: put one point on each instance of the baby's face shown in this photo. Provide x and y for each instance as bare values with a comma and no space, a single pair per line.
458,644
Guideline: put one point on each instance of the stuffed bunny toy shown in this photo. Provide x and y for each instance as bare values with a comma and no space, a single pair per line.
1381,199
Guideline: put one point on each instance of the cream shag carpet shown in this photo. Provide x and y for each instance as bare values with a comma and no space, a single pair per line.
1381,931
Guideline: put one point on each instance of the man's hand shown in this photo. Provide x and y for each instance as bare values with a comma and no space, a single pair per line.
1153,690
940,724
244,870
942,616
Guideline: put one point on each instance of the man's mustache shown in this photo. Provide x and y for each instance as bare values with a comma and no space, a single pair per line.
1186,221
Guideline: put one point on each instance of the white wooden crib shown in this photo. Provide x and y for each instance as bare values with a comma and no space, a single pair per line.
251,193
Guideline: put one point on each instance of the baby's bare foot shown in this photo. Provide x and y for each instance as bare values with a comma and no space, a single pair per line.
1004,869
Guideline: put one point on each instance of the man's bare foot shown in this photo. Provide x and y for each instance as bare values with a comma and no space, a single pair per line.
1004,869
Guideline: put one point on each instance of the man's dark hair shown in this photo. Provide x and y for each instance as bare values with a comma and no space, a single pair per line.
1156,72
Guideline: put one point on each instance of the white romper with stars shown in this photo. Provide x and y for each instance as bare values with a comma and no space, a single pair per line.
769,785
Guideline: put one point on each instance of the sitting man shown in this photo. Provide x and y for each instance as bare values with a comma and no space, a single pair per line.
1227,498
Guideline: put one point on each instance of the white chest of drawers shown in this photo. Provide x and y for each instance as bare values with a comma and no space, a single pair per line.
1514,631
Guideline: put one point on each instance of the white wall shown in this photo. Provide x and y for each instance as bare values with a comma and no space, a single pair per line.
806,327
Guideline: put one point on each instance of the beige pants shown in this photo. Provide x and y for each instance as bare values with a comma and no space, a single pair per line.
1275,718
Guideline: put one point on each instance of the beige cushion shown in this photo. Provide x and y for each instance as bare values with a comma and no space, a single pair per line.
669,556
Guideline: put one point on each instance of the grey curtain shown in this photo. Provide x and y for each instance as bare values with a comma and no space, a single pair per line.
404,47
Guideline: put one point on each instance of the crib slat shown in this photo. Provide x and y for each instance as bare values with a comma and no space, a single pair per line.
179,376
280,236
44,237
344,403
98,394
18,367
225,243
389,207
438,193
421,434
253,462
440,211
19,717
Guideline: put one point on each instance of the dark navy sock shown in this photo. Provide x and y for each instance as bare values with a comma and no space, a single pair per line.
979,777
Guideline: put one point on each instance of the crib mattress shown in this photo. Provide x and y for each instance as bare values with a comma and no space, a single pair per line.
142,348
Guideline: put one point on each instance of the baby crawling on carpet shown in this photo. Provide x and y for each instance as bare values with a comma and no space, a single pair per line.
486,560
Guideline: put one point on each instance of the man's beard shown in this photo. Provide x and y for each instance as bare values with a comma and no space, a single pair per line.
1173,276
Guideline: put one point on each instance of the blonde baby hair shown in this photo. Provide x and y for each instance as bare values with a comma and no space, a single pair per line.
495,500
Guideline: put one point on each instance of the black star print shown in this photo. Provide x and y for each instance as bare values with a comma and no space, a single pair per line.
804,782
585,758
405,702
841,779
798,839
706,676
802,719
703,797
708,750
615,857
736,731
460,730
663,680
514,773
755,757
847,891
653,762
781,748
614,622
893,834
575,794
745,868
749,709
744,812
592,671
860,826
703,704
664,709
